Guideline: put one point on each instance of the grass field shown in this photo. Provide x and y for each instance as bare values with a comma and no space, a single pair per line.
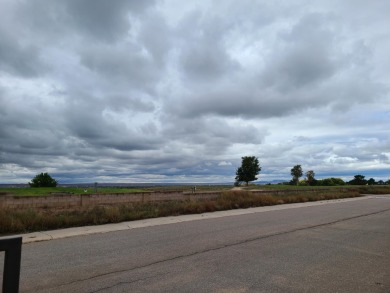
29,220
44,191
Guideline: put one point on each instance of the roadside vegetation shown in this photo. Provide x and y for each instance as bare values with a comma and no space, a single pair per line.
29,220
374,189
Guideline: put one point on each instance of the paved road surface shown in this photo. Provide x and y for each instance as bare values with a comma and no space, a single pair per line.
336,247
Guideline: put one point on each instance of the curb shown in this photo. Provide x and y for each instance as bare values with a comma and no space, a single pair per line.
100,229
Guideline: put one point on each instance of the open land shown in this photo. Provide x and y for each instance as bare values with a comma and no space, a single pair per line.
335,246
154,203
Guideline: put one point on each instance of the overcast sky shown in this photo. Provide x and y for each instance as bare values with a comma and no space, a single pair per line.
179,91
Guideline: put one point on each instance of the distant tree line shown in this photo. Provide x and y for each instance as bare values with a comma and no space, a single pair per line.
250,168
309,180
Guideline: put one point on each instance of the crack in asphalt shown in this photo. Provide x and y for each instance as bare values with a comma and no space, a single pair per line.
216,248
51,237
129,282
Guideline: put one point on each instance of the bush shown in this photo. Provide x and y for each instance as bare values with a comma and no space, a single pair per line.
43,180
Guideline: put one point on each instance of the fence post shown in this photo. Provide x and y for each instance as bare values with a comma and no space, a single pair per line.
13,252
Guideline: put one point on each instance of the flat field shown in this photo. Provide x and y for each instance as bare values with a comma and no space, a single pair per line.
44,191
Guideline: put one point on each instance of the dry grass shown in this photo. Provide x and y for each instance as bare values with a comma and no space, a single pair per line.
375,189
21,221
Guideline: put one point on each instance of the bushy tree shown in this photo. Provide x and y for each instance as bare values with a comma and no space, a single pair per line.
338,181
296,173
310,180
331,182
371,181
43,180
327,182
358,180
249,169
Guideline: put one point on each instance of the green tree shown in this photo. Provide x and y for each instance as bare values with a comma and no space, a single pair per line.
250,167
43,180
338,181
371,181
331,182
358,180
310,177
296,173
327,182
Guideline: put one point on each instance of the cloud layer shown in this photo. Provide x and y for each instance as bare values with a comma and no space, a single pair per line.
172,91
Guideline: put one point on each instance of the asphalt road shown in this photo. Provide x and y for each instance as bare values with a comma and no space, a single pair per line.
338,247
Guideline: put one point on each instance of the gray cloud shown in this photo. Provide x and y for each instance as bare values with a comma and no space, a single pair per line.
100,19
97,20
156,37
164,91
19,59
307,56
132,102
129,64
206,62
211,136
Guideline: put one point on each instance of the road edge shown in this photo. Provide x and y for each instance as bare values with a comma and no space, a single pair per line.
106,228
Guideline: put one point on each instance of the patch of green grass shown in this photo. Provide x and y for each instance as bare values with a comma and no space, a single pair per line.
44,191
188,188
291,187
